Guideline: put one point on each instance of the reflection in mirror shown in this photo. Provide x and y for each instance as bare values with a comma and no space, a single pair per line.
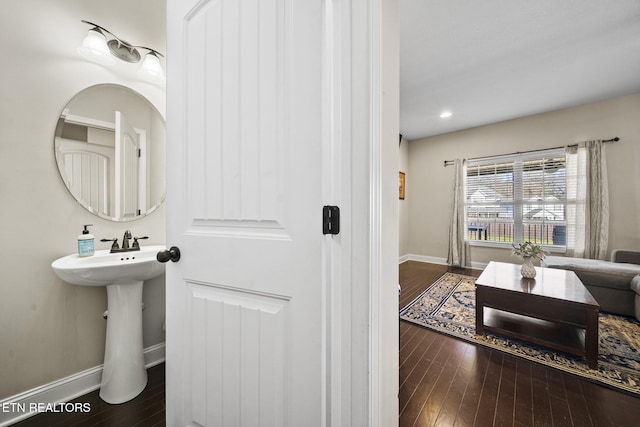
109,146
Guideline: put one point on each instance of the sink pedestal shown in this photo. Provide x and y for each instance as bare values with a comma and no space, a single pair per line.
124,374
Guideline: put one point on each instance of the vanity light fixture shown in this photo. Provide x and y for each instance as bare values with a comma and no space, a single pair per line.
96,48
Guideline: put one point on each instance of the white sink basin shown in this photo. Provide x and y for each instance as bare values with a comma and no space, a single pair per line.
105,268
124,373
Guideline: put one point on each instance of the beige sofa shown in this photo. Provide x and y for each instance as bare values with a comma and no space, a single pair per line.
608,281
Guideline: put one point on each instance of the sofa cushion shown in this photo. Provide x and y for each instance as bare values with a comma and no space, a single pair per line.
626,256
596,272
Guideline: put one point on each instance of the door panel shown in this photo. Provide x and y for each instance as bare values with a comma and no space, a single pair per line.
248,356
245,338
240,166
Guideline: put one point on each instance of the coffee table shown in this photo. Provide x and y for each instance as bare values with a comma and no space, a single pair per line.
554,310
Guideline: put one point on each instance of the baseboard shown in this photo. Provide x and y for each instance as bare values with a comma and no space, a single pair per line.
424,258
26,404
437,260
154,355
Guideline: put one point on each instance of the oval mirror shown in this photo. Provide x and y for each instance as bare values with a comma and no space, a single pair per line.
109,146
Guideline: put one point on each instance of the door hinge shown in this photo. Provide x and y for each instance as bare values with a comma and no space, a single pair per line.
330,220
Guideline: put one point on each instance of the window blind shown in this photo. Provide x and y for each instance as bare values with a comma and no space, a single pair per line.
515,198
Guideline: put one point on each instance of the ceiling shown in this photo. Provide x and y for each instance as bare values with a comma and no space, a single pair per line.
494,60
485,61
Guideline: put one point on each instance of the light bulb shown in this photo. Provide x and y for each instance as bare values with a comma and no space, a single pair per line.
151,69
94,48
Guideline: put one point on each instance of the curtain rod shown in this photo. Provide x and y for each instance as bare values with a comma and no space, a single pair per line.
616,139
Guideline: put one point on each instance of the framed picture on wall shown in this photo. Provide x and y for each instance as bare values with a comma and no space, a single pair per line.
402,178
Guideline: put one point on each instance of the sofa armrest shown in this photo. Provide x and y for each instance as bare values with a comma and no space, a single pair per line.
625,256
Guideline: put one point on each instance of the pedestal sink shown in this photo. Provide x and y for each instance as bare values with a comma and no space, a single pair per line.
124,374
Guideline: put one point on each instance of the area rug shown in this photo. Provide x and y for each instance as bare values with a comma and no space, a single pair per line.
448,306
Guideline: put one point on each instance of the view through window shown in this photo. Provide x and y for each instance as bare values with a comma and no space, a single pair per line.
515,198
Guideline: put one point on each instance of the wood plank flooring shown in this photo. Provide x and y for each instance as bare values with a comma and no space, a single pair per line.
449,382
443,382
146,410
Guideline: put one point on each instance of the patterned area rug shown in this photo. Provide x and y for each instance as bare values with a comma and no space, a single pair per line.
448,306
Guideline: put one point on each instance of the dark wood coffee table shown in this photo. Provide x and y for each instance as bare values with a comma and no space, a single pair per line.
554,309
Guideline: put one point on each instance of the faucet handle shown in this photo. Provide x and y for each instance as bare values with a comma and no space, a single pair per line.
115,242
136,244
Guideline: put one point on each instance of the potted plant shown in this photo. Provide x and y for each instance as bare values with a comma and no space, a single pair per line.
528,251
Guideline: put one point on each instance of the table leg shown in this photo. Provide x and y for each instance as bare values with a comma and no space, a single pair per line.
479,311
591,339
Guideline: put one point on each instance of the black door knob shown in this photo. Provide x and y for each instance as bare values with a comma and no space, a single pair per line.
173,254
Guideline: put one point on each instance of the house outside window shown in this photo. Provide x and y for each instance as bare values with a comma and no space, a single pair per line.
516,198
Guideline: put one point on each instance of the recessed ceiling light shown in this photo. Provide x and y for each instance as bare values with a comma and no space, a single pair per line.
445,114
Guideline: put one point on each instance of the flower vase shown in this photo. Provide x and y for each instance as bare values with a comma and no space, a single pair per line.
527,270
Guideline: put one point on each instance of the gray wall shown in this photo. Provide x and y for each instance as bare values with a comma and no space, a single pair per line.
426,229
51,329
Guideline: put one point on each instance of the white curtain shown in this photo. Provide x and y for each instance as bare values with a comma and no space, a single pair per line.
457,246
587,201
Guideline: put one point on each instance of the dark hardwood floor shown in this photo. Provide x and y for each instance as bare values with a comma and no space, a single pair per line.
146,410
443,382
449,382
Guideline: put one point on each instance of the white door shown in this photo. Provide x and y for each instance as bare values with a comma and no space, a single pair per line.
245,305
126,169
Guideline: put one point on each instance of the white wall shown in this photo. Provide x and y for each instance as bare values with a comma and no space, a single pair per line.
388,311
50,329
432,184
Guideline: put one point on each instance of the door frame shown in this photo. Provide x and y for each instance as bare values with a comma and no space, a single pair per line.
362,51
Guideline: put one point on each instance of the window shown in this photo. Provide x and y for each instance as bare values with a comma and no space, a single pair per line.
517,198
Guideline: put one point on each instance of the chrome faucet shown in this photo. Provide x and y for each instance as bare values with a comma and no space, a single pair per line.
125,239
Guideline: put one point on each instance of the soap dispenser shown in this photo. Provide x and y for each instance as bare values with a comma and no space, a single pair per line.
85,242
